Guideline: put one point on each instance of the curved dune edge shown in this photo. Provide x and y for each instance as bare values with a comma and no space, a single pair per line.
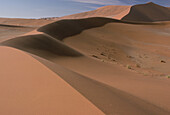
42,45
109,99
70,27
112,11
27,87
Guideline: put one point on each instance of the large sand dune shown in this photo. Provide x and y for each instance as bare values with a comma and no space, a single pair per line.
113,11
29,88
42,45
12,31
99,39
149,12
90,66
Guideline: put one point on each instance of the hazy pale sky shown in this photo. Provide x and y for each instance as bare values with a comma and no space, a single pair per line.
56,8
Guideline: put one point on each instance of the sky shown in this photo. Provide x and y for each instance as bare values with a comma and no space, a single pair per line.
58,8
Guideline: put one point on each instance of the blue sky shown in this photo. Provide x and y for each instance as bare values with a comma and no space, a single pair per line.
56,8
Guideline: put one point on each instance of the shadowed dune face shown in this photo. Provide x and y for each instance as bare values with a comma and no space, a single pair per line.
10,31
149,12
108,99
104,59
65,28
42,45
113,40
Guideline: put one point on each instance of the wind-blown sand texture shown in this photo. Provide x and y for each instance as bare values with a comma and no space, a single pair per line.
90,64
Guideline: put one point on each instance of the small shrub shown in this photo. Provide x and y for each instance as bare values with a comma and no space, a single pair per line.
129,67
168,76
145,74
138,66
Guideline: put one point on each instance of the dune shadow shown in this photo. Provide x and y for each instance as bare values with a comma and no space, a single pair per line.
70,27
42,45
149,12
108,99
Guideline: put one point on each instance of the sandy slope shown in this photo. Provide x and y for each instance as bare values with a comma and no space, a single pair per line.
148,94
119,66
25,22
114,92
13,27
127,44
113,11
116,42
42,45
29,88
149,12
8,31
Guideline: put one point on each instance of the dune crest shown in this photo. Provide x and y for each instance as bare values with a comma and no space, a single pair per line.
112,11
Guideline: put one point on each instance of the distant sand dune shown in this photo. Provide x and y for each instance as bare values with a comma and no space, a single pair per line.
65,28
25,22
42,45
112,11
149,12
70,27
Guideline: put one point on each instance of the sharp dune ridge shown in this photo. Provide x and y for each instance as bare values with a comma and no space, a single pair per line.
114,60
149,12
116,12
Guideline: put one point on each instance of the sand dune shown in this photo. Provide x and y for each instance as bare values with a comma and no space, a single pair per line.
121,41
42,45
12,31
71,27
109,99
29,88
149,12
90,66
127,44
113,11
25,22
98,39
